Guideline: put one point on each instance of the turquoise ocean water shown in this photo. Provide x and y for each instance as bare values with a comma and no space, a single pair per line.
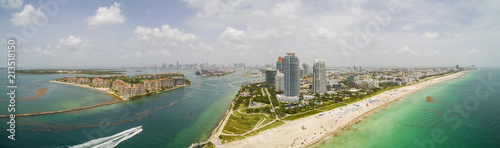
180,117
460,118
172,119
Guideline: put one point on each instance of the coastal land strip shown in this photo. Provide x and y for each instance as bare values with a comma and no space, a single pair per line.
311,130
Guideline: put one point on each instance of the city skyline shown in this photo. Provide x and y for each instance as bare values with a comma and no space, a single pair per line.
145,33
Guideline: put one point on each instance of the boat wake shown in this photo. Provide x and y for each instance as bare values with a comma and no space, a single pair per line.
210,84
110,141
231,84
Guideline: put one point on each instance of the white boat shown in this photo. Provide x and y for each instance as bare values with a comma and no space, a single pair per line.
110,141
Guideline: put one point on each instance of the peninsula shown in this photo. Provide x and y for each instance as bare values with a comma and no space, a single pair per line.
259,115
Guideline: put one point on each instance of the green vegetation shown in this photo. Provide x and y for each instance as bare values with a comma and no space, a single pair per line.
240,123
209,145
245,119
227,139
270,126
72,71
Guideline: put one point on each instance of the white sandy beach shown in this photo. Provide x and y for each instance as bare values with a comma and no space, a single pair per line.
330,122
106,90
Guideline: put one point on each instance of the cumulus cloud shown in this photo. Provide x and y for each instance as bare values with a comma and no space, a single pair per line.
323,34
73,43
407,27
429,35
263,34
407,51
231,35
29,15
163,41
473,51
165,32
44,52
106,16
11,4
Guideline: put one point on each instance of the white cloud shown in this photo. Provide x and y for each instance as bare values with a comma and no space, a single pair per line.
429,35
323,34
29,15
453,35
232,35
165,32
44,52
263,34
106,16
163,41
73,43
408,52
473,51
11,4
407,27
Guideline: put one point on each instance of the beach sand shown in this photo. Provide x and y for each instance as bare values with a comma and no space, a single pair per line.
106,90
332,122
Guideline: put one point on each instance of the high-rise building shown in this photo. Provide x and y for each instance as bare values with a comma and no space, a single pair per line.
279,64
306,68
350,80
279,81
270,76
302,72
292,74
319,76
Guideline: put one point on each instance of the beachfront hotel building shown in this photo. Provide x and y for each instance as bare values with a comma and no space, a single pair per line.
319,76
270,76
306,68
292,75
279,64
279,81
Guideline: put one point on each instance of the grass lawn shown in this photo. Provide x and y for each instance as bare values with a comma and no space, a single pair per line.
240,123
227,139
270,126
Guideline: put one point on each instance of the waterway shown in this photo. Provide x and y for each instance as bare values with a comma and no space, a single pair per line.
172,119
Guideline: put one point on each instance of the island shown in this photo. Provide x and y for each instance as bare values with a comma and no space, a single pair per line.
120,87
214,72
72,71
130,87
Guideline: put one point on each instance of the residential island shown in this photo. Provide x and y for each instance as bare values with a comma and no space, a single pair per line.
214,72
121,87
130,87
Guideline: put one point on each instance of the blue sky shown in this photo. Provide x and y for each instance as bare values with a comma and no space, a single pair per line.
343,32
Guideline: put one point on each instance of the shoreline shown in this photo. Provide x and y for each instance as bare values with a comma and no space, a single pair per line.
323,125
106,90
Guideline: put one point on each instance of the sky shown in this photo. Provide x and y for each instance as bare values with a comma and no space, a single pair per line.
77,33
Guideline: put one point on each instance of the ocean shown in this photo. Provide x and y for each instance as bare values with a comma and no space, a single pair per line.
175,118
464,115
458,118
